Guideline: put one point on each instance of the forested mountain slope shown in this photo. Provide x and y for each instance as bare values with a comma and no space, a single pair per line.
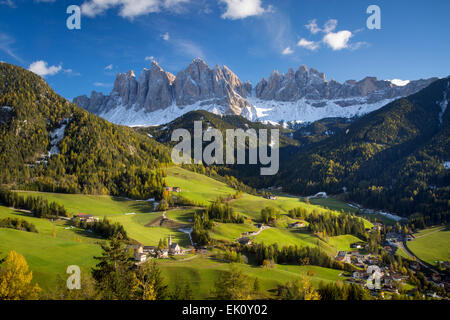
50,144
393,158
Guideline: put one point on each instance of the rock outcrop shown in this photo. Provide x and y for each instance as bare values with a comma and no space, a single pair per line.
220,90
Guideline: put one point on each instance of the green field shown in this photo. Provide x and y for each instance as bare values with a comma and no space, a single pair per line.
202,272
332,204
48,256
342,243
231,231
98,206
58,245
197,187
292,237
431,245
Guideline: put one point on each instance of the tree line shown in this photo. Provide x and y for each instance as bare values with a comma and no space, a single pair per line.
39,207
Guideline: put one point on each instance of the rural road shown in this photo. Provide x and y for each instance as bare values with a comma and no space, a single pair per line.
412,255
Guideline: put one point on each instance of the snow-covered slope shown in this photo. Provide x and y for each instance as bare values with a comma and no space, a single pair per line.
305,95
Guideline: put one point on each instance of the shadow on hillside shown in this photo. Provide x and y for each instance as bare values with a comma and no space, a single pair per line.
139,206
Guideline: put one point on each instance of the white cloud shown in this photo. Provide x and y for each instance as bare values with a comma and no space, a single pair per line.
70,72
313,27
6,46
310,45
330,25
338,40
41,68
188,48
109,67
287,51
8,3
130,8
149,58
165,36
241,9
102,84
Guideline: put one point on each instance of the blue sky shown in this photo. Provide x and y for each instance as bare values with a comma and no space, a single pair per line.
251,37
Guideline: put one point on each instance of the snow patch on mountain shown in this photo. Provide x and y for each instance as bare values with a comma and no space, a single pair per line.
57,135
135,118
399,83
304,111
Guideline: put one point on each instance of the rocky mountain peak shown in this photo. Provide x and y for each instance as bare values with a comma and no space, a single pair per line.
303,93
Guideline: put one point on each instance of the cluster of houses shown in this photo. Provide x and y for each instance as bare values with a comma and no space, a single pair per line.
270,197
389,281
89,218
143,253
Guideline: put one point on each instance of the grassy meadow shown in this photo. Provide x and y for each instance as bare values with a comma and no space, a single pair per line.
431,244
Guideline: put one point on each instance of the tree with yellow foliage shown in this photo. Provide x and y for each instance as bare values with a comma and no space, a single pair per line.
16,278
300,289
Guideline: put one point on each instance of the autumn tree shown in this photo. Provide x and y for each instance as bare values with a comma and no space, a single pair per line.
16,279
299,289
232,285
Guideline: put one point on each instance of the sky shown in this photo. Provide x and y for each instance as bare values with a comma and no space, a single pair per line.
251,37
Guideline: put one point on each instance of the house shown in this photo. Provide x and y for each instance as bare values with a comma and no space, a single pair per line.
174,248
244,241
86,217
162,254
358,275
297,224
414,265
436,277
149,249
139,255
377,226
357,245
343,257
388,249
271,197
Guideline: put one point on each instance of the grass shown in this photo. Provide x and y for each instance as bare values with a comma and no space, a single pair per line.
288,237
343,242
98,206
203,272
431,244
48,256
136,229
333,204
197,187
230,231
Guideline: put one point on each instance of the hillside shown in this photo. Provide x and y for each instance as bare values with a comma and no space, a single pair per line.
50,144
392,158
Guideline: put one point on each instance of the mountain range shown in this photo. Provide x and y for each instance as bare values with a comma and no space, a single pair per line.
304,95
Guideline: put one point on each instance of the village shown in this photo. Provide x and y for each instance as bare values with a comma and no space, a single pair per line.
370,271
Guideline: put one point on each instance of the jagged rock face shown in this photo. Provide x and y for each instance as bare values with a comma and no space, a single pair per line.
215,86
313,85
158,89
220,90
